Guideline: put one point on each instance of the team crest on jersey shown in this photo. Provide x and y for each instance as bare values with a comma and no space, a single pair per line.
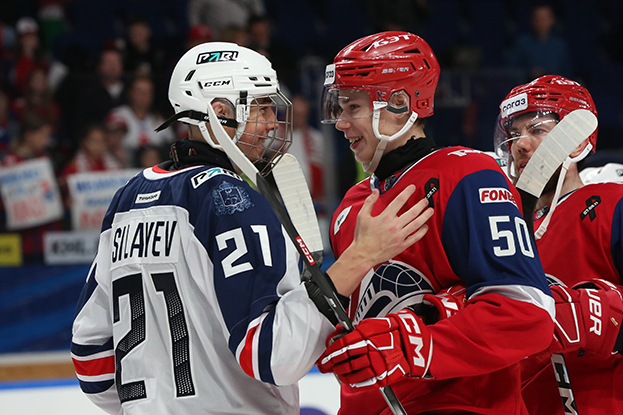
230,199
390,288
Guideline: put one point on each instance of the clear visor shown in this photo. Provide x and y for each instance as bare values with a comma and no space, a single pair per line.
344,104
267,131
532,126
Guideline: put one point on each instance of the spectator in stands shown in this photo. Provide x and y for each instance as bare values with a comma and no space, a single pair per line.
148,156
29,53
31,142
91,156
115,129
38,98
102,93
222,14
140,118
7,124
541,51
140,55
93,153
283,58
235,34
199,33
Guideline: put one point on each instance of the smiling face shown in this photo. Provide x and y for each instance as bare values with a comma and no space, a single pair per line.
260,123
355,121
527,131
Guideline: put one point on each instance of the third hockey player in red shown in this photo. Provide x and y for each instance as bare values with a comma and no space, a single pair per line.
579,232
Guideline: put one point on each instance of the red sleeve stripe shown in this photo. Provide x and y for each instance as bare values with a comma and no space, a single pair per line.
95,367
246,355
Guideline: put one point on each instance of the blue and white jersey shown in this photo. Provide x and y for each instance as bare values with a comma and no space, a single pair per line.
194,302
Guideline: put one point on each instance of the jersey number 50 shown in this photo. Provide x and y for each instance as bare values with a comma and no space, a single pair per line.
508,236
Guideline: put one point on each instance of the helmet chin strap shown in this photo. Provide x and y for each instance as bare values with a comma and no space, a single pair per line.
206,135
370,166
561,178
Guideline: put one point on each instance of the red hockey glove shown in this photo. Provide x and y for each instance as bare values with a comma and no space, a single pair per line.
588,318
380,351
446,303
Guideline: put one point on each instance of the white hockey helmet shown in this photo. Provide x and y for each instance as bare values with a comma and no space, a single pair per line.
244,79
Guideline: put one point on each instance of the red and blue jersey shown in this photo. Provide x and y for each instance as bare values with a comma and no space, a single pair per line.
476,237
584,240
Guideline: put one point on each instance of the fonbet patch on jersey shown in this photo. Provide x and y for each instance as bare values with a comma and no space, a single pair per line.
496,195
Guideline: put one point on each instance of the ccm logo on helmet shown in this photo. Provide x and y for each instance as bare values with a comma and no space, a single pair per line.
218,82
514,104
220,56
496,195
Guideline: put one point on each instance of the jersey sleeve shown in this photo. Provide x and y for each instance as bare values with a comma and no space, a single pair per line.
489,247
275,331
92,348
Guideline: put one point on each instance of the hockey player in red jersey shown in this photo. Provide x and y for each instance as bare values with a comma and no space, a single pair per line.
194,303
379,91
579,232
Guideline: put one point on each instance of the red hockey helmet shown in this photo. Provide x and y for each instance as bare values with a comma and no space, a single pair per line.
382,64
547,94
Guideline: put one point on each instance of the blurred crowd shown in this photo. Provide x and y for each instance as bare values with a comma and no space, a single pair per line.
84,83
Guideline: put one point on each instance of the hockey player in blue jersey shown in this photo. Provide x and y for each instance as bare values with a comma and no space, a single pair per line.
194,302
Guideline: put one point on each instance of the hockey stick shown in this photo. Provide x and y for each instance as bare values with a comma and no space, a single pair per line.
548,157
291,184
319,277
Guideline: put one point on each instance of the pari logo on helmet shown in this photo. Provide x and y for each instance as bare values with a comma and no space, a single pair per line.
217,56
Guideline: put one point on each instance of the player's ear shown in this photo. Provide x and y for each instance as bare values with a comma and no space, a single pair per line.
398,105
222,109
578,150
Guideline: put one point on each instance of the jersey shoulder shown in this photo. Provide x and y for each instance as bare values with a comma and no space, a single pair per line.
187,188
610,191
466,160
